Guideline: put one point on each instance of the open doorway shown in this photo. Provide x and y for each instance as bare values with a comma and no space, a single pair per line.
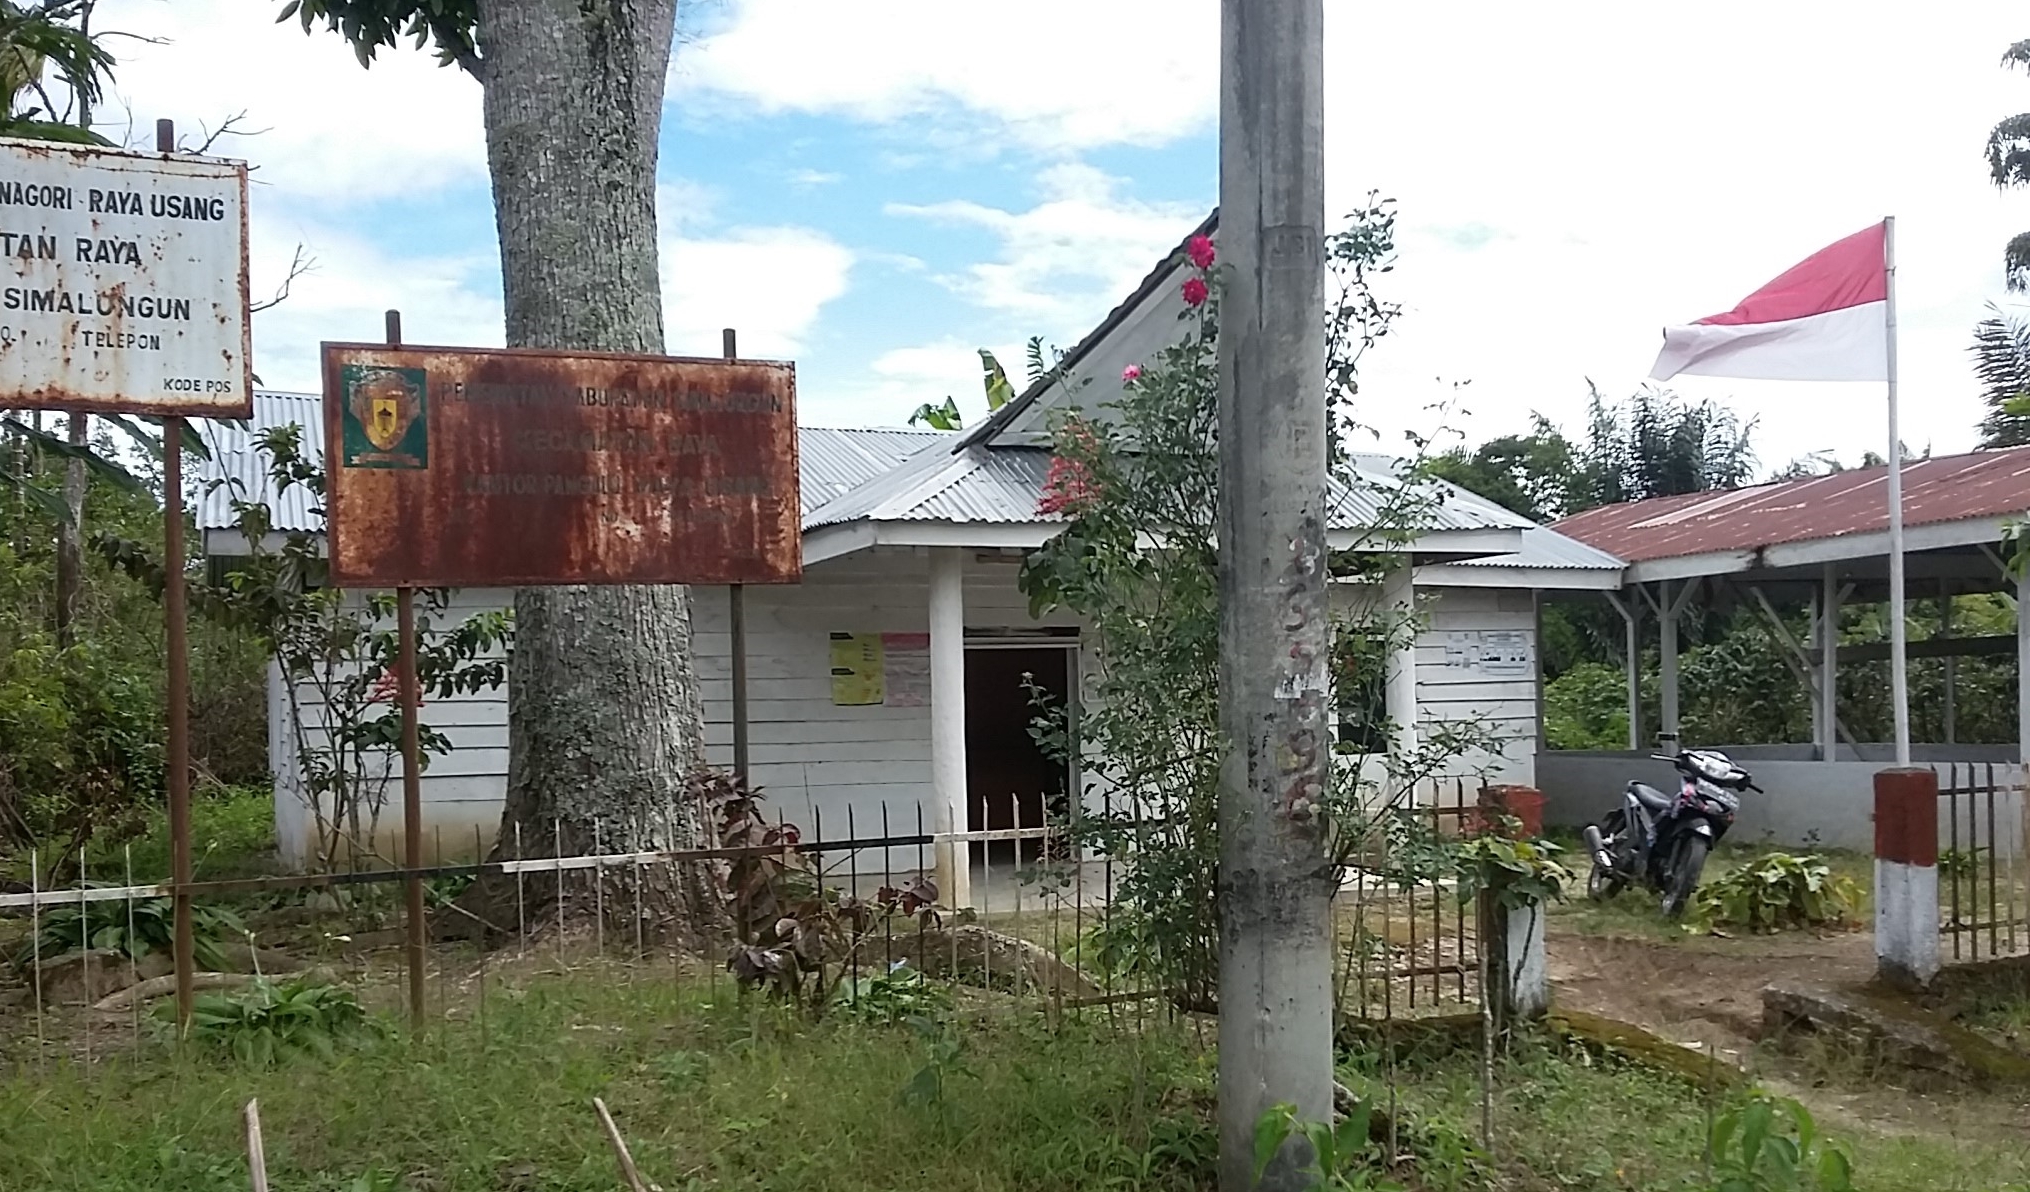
1010,781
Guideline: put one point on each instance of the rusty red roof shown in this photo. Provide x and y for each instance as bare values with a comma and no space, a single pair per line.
1947,488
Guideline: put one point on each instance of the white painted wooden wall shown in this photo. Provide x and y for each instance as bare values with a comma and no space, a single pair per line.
820,762
1507,704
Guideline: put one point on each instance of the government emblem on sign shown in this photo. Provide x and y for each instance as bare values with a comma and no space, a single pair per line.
385,417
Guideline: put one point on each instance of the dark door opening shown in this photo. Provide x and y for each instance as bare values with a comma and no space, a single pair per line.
1010,781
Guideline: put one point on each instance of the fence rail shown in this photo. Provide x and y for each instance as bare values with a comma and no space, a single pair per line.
1981,863
1404,942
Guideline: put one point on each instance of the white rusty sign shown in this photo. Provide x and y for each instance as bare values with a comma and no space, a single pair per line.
123,282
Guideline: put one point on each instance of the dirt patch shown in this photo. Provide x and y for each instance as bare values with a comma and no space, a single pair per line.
1705,991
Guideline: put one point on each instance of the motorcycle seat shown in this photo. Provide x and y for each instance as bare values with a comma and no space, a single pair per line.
1649,796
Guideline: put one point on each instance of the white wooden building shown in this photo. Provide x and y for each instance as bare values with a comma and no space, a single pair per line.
889,684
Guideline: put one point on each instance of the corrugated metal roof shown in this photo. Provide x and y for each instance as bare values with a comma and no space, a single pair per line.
1545,549
1542,547
832,461
238,459
1004,484
1949,488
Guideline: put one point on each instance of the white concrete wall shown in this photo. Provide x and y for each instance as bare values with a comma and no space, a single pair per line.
1808,804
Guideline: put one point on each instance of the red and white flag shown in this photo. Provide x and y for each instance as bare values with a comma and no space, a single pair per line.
1823,320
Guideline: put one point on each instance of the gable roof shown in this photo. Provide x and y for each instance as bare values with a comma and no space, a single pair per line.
1153,304
1969,491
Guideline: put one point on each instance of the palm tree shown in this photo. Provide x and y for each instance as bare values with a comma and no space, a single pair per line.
2001,352
2009,167
34,37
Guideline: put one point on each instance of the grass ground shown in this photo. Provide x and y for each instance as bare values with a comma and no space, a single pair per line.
1634,914
713,1092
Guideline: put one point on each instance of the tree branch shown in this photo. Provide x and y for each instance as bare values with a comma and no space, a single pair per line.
299,265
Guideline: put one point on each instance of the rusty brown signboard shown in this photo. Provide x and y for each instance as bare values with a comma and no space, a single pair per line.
459,467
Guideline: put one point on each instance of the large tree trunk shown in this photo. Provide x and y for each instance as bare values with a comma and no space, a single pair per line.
605,718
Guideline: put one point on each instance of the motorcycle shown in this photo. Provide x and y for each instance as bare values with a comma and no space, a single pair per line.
1662,841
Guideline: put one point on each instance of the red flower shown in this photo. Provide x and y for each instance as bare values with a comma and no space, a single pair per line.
1068,488
1195,292
1199,249
386,689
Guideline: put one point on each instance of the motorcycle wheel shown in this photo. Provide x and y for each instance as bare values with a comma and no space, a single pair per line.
1603,884
1686,866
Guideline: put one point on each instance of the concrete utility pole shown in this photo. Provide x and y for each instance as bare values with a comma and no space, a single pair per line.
1275,1012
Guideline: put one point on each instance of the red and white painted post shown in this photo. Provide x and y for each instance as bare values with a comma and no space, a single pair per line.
1906,876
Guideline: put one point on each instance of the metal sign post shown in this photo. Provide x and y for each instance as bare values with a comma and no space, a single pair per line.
411,696
736,595
178,686
127,294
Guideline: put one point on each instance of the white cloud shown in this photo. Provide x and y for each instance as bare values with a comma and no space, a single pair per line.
443,300
901,379
1570,180
769,284
1055,74
334,132
1069,258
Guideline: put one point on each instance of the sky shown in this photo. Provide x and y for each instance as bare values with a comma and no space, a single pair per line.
876,189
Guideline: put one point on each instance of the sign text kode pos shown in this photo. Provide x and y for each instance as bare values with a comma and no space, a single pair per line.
123,282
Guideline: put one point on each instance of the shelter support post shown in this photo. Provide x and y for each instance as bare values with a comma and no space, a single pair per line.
1826,716
1670,604
1802,664
2023,667
1631,618
1399,592
948,719
1949,696
1666,666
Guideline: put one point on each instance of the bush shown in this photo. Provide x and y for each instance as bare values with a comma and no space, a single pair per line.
273,1022
1587,708
1770,1144
890,997
1776,892
151,927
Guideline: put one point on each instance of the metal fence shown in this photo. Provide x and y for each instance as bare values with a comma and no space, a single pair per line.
1409,945
1029,936
1981,864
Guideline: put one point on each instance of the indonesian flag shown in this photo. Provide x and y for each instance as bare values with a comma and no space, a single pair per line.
1824,320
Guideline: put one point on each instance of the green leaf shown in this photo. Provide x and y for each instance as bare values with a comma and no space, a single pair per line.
1272,1130
1755,1123
1835,1172
995,380
101,466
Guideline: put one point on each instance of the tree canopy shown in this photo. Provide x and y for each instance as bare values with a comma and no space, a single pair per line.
1655,444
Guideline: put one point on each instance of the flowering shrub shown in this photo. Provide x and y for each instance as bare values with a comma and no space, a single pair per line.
1142,468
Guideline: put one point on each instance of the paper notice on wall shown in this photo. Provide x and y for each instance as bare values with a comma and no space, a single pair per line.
1506,652
906,665
856,669
1490,651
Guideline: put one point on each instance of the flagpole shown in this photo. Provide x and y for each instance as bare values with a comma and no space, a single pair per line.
1899,665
